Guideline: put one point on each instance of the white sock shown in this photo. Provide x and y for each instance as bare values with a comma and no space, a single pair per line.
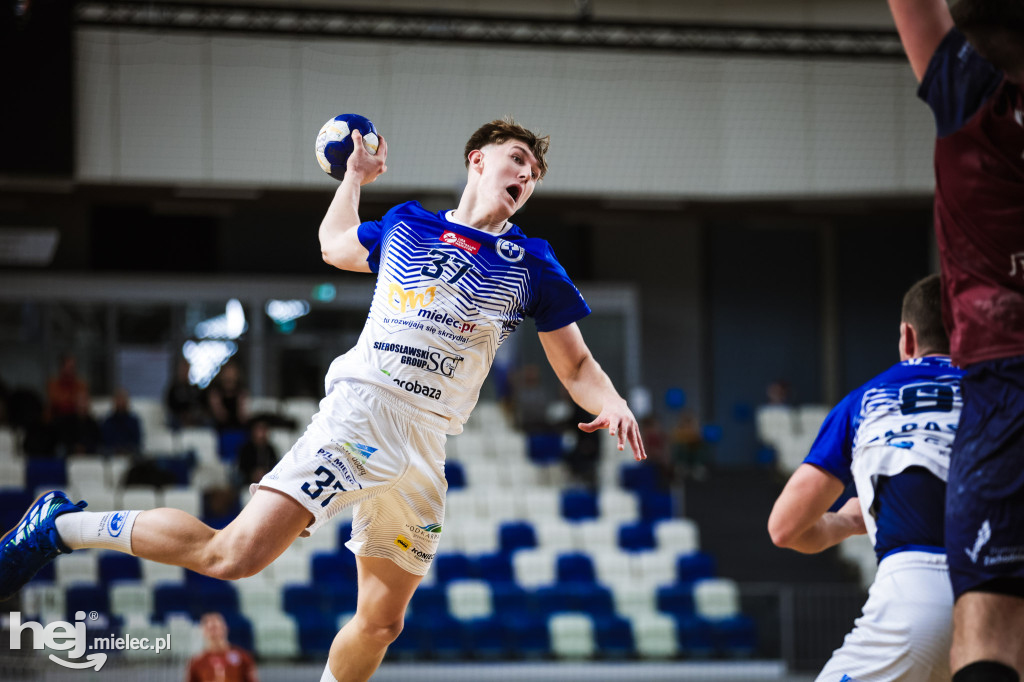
107,530
328,675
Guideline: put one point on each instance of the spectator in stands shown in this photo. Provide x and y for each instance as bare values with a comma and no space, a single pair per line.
220,660
584,452
689,451
228,399
658,453
257,456
77,433
27,411
121,431
4,397
530,401
64,390
184,401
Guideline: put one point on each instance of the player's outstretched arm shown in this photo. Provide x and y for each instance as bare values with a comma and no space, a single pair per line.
922,24
590,387
339,240
800,519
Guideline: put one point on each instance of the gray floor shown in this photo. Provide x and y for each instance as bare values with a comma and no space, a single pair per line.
173,670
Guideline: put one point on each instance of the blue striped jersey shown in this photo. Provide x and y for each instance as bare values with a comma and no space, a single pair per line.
447,296
892,438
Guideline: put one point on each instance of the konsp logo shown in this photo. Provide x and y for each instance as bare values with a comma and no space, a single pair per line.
457,240
403,300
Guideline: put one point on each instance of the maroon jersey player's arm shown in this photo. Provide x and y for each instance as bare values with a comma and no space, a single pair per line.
922,24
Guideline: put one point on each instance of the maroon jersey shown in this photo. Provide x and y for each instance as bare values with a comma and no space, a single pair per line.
233,665
979,201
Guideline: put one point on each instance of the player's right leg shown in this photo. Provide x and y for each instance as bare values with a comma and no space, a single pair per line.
986,627
52,525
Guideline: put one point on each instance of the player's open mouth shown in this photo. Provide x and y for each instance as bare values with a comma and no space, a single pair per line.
514,191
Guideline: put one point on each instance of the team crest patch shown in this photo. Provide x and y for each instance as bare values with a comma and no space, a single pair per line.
510,251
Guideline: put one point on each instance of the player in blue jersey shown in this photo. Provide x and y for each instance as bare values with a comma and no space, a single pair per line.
451,287
892,438
969,60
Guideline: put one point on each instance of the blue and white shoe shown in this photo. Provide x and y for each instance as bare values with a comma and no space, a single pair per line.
33,542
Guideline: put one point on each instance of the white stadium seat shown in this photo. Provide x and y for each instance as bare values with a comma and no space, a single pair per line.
572,635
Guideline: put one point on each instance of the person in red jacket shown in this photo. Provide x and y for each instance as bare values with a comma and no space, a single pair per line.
220,661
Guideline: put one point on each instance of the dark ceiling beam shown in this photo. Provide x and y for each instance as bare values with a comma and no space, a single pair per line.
494,30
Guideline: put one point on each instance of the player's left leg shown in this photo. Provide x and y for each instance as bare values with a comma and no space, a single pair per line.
986,627
384,593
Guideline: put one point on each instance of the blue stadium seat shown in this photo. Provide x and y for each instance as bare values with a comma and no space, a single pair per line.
507,598
452,566
544,448
316,633
302,600
409,646
495,568
638,478
344,535
334,568
655,506
735,637
341,597
239,630
614,636
117,566
676,600
696,636
44,473
170,598
574,567
637,536
454,474
216,596
487,638
46,574
13,504
444,636
579,504
179,467
228,443
527,635
429,601
586,597
695,566
86,598
515,535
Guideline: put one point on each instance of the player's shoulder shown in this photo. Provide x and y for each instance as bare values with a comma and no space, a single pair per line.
409,209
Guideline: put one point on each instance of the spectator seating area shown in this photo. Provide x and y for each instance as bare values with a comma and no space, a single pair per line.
528,567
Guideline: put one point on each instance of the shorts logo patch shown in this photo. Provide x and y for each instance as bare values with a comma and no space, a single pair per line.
403,542
363,452
984,535
432,527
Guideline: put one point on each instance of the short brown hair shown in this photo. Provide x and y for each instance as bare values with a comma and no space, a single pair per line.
922,308
502,130
995,28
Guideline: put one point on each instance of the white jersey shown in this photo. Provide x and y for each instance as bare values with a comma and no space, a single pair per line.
447,296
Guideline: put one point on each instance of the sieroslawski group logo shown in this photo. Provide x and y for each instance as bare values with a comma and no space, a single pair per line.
73,640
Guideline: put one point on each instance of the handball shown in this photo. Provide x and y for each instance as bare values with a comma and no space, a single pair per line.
334,142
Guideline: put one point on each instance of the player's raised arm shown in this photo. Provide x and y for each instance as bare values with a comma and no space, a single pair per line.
801,519
922,24
339,241
590,387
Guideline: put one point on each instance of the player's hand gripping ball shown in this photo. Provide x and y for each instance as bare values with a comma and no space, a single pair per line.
334,142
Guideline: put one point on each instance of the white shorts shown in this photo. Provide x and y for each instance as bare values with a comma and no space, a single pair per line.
906,627
368,448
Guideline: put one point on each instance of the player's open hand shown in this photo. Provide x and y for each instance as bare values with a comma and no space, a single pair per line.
368,167
621,423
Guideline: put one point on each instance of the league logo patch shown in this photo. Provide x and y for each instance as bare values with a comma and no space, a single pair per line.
461,242
510,251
